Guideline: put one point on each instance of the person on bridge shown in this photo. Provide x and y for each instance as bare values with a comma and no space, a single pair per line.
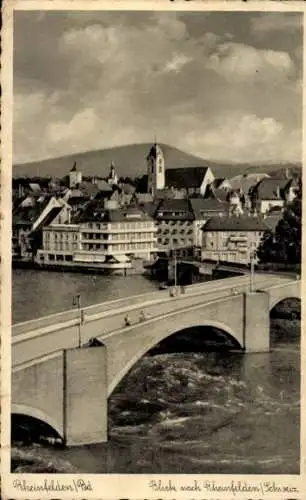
127,320
143,316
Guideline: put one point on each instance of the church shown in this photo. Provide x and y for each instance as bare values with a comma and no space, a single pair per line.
181,181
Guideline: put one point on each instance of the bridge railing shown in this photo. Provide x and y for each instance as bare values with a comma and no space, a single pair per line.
73,314
37,343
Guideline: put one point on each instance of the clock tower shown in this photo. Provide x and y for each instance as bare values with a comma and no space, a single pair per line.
155,169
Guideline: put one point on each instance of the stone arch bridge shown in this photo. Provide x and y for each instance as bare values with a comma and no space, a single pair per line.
58,383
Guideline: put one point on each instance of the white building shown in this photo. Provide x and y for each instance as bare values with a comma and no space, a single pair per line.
102,238
232,239
155,169
59,244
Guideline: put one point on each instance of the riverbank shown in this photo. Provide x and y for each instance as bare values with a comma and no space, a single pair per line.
82,269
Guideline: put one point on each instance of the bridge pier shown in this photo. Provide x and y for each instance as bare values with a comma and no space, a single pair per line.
256,327
85,395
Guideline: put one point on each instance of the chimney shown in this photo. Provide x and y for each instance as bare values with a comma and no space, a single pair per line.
287,173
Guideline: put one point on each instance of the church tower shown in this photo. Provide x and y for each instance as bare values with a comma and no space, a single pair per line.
155,169
113,177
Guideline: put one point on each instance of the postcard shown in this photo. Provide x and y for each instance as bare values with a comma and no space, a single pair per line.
151,250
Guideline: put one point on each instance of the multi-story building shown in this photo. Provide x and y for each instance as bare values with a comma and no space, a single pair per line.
203,209
232,239
59,244
100,237
116,233
174,220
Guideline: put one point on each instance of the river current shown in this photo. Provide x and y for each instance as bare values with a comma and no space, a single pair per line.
178,412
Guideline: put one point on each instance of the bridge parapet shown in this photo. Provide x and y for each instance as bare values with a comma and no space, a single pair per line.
65,335
72,314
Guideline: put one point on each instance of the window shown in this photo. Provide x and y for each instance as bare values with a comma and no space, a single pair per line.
51,256
69,258
60,257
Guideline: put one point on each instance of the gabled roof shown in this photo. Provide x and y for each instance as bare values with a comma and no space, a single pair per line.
235,224
95,212
189,177
200,206
49,217
270,189
172,209
245,182
29,214
88,188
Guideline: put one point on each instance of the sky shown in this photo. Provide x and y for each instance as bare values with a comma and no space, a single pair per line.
221,85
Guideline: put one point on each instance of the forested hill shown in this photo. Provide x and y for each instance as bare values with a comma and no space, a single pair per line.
130,161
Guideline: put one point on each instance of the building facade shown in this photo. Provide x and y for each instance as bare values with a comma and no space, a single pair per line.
118,234
174,221
232,239
59,244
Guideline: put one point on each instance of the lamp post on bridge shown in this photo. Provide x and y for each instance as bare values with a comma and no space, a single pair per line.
252,267
77,302
173,250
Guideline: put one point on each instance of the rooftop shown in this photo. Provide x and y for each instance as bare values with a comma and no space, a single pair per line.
180,178
271,189
236,224
95,212
202,205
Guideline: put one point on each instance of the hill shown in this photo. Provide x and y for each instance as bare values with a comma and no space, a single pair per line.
130,160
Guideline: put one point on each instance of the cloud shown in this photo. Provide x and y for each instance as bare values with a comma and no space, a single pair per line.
176,63
271,22
239,62
95,80
246,138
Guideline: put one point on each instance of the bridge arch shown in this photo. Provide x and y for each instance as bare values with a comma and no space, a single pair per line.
150,345
35,413
281,298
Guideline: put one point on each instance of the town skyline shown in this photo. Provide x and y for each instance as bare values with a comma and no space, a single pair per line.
187,83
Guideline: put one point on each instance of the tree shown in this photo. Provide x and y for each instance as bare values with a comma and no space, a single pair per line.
284,245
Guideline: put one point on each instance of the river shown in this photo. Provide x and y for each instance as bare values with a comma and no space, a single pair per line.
178,412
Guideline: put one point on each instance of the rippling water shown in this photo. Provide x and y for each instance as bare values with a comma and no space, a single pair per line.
196,413
39,293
